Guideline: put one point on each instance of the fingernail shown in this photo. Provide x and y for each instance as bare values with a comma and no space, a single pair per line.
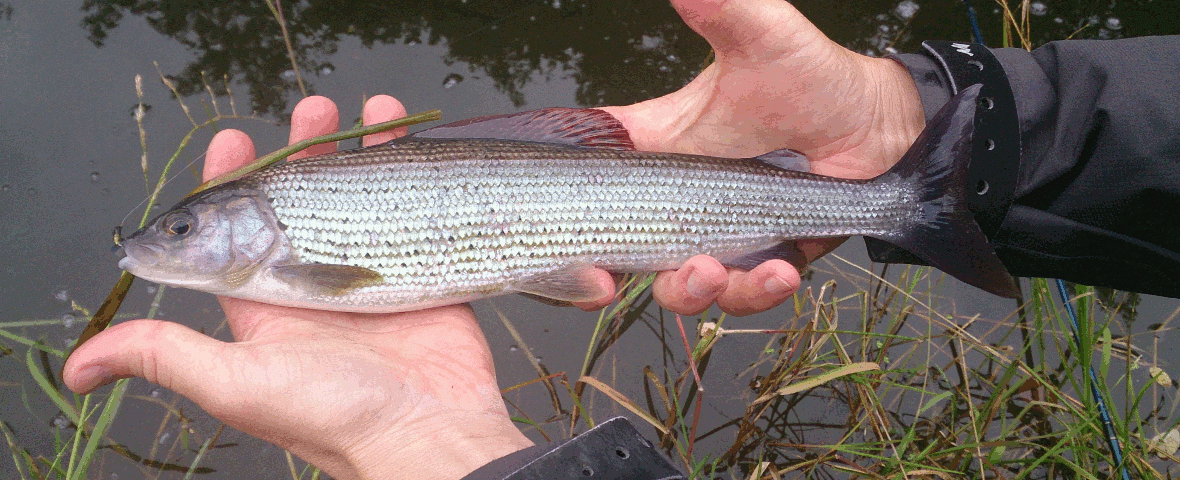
700,286
93,376
776,285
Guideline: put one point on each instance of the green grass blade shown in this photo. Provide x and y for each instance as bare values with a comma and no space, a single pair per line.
109,410
42,381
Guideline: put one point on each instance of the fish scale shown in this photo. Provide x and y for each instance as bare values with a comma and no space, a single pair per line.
439,202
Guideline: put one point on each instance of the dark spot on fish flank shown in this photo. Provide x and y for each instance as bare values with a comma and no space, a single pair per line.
344,257
282,226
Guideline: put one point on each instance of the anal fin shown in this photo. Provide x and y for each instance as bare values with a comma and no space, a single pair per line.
788,251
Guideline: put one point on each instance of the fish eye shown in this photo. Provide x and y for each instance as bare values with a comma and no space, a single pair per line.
178,223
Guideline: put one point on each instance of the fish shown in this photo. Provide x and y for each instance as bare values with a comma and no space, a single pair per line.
533,203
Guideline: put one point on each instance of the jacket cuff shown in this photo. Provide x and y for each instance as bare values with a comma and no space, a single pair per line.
941,71
613,449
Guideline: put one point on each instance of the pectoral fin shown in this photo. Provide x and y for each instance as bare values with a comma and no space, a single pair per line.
572,284
326,279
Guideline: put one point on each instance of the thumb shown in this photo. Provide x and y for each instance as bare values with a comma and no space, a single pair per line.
163,353
747,28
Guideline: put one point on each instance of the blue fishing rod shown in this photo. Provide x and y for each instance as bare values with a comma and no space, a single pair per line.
1112,441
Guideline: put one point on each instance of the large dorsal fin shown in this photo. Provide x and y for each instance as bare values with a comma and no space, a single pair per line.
569,126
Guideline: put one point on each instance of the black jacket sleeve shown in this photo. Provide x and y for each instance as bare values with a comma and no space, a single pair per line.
1096,198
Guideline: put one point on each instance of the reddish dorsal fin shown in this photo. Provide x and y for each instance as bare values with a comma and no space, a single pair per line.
569,126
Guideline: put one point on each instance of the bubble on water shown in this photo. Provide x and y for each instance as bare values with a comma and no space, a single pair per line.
664,68
164,437
326,70
60,421
539,358
1037,8
452,80
891,50
513,348
1114,23
906,9
1092,20
673,58
151,289
95,177
288,75
532,18
62,296
412,42
1058,20
649,42
68,319
156,392
557,4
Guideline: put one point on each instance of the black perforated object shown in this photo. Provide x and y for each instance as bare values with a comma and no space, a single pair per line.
613,450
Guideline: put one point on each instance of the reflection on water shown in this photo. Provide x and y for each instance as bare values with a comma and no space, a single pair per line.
618,51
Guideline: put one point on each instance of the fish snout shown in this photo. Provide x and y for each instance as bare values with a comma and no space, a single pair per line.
138,254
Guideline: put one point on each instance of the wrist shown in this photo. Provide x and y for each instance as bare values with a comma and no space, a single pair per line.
899,117
438,447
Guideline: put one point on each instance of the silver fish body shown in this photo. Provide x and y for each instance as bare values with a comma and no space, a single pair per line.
422,221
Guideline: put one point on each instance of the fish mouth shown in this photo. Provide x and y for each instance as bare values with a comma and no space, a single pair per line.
137,254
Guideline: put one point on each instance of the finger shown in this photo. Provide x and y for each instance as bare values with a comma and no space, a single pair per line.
748,27
228,150
606,283
693,287
163,353
312,117
760,289
383,108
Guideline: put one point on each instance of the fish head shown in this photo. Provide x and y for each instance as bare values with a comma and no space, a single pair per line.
213,241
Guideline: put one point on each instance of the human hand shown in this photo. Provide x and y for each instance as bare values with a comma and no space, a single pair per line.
777,82
407,395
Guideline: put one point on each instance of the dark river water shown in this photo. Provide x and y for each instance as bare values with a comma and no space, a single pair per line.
70,163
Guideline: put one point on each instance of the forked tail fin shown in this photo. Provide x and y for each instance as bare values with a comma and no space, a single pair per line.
947,236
